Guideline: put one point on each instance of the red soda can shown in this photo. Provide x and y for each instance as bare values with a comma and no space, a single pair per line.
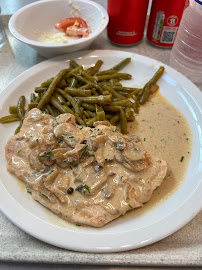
164,21
126,20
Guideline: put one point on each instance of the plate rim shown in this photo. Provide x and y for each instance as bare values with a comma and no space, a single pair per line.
8,199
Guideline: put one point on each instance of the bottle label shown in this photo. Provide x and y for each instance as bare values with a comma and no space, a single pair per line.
168,34
160,16
126,34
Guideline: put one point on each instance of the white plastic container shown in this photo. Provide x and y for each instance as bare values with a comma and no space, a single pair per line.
186,54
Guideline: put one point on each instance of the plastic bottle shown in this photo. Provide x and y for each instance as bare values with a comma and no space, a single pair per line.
186,54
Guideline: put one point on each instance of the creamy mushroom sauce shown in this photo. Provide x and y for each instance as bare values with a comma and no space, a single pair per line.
165,133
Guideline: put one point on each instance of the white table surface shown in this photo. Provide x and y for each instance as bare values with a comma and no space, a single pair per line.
18,250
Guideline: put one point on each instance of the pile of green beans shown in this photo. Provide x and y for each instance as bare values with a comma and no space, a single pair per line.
90,95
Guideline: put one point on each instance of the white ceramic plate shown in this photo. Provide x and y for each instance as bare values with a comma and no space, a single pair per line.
123,233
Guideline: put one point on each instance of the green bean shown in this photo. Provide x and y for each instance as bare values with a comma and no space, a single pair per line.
106,72
47,83
137,91
79,120
122,64
145,94
96,99
59,97
157,75
123,122
113,92
115,119
57,105
128,112
91,114
86,86
123,103
31,106
110,108
75,105
38,98
86,114
45,110
100,113
124,89
68,110
102,83
85,81
46,97
115,82
73,64
91,121
32,97
89,107
124,94
77,92
108,116
124,76
96,68
88,77
73,71
40,89
56,111
81,79
13,109
95,93
21,107
135,104
9,118
73,82
50,110
147,88
19,127
62,84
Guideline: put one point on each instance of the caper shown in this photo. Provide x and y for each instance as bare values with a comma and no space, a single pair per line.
70,190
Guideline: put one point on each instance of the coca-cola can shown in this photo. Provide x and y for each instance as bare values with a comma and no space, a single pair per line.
164,21
126,20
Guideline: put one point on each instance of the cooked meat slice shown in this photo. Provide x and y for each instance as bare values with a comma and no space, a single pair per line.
86,176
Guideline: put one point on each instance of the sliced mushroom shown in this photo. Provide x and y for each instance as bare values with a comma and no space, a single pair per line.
69,133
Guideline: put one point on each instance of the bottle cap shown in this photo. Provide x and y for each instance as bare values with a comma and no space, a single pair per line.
199,2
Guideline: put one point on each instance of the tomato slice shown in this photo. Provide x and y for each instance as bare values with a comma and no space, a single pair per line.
66,22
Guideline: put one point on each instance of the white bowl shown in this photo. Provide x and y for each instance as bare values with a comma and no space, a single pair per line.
30,23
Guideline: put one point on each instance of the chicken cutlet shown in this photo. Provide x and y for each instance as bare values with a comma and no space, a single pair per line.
87,176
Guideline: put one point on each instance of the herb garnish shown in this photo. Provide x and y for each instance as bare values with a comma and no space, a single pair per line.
49,154
130,206
144,139
84,151
87,187
29,191
81,127
182,157
121,178
73,163
51,172
70,137
45,196
58,142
